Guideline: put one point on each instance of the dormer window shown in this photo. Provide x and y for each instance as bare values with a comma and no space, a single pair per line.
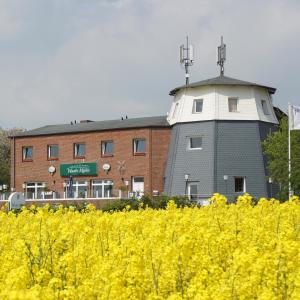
197,106
233,104
175,110
265,107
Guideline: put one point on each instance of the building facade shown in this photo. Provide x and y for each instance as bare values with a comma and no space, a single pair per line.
211,141
91,159
217,129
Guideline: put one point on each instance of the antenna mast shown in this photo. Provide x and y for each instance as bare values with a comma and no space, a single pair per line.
221,56
187,58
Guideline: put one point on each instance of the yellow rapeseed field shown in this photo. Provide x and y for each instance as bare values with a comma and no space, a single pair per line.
220,251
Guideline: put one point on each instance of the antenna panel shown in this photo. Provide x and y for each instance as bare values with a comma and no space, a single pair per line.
181,54
191,53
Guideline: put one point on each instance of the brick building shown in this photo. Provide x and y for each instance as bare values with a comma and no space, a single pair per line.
96,159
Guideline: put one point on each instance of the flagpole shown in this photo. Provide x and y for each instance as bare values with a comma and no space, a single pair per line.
289,138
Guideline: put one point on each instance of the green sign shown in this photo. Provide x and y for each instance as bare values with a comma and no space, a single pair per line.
83,169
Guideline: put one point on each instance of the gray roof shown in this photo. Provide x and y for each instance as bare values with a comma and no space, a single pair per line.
222,80
160,121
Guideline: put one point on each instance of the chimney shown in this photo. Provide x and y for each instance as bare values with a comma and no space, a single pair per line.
86,121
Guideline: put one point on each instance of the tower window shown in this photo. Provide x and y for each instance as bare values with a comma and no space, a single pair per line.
239,184
175,110
198,106
233,104
265,107
195,143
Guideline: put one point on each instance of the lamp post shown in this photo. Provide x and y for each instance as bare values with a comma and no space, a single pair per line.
4,190
186,178
225,177
271,186
24,189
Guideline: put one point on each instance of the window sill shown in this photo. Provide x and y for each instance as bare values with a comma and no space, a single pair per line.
139,154
27,160
52,158
79,157
193,149
107,155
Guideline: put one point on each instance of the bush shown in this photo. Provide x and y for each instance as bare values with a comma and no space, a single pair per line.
155,202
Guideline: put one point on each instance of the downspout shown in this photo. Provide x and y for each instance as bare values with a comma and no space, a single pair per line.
150,161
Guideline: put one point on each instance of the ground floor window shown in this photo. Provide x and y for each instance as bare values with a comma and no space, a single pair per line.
138,186
102,188
76,189
239,184
33,190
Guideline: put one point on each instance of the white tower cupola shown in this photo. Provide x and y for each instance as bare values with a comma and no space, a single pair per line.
222,98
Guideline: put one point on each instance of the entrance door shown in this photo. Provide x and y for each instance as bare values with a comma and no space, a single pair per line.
138,186
193,190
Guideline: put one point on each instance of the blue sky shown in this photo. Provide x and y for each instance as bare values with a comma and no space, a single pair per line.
64,60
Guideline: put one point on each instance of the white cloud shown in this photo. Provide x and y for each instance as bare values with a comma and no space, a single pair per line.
107,58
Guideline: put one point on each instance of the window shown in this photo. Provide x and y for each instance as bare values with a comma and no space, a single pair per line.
139,146
193,190
232,104
264,107
79,150
52,152
102,188
175,110
198,106
195,143
27,153
76,189
138,186
239,184
107,148
33,190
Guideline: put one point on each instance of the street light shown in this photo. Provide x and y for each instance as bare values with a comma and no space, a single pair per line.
186,177
225,179
271,186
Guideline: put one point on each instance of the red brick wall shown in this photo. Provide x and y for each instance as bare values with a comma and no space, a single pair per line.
157,143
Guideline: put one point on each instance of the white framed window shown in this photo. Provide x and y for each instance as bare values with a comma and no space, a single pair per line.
27,153
195,143
233,104
76,189
102,188
192,190
33,190
139,146
79,150
107,148
52,151
265,107
175,110
240,184
197,106
138,186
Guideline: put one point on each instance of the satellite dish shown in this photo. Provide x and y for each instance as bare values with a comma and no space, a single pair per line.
16,200
106,167
51,169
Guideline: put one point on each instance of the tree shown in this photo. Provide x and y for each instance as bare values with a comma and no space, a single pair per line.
276,149
5,154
